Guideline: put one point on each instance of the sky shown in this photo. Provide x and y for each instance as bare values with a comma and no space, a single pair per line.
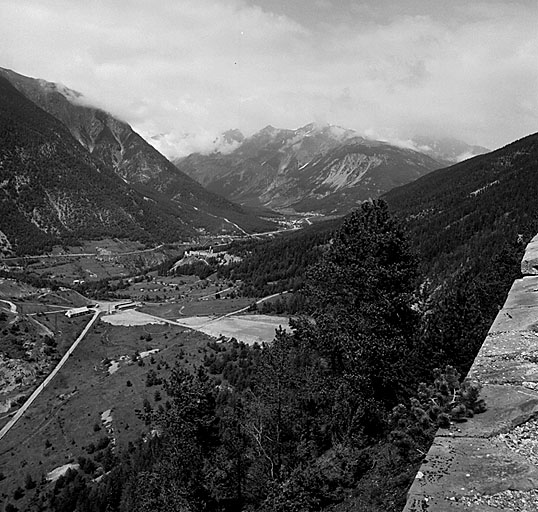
183,71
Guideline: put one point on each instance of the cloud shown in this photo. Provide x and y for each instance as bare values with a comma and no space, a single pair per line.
191,69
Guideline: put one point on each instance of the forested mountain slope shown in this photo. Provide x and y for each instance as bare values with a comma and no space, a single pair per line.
466,213
120,148
470,224
279,264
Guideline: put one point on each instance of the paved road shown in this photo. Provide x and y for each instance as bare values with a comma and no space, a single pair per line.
17,416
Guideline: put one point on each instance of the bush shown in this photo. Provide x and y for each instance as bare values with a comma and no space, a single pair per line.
102,443
29,482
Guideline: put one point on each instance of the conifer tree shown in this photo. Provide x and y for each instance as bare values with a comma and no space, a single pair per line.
361,296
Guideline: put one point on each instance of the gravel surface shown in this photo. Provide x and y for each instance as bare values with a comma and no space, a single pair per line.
524,441
508,501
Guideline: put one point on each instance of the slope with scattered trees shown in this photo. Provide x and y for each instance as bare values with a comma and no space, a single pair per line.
323,418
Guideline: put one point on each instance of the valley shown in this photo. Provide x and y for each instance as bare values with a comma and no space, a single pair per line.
261,326
75,389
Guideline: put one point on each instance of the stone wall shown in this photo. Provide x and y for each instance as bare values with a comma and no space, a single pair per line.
490,462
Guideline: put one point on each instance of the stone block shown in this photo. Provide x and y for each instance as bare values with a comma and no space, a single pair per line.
461,471
509,344
529,263
524,292
517,319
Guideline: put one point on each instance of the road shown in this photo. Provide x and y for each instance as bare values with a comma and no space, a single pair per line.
215,293
242,310
12,307
263,299
17,416
82,254
172,322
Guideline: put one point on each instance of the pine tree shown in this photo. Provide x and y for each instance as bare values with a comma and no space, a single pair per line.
361,297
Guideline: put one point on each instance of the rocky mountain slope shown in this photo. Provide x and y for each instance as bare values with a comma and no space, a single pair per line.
326,169
54,191
51,189
120,148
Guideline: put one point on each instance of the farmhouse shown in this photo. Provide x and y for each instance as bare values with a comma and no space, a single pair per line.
85,310
125,305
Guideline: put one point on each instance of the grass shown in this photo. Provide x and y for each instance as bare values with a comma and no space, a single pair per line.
59,426
31,359
66,418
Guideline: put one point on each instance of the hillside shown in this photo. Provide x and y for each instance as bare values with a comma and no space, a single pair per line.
52,190
120,148
325,169
470,224
469,211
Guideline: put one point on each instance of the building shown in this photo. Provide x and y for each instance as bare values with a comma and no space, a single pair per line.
125,305
85,310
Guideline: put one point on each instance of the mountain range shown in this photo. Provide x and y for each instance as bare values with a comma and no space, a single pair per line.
41,113
316,168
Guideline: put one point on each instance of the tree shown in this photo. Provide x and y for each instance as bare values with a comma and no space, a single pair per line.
189,436
29,482
360,296
286,411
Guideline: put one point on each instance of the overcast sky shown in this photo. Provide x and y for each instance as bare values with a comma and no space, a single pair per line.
190,69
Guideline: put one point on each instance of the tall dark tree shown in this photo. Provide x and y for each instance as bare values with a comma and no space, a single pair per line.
361,297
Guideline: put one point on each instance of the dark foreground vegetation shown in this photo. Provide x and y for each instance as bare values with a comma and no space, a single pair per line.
332,416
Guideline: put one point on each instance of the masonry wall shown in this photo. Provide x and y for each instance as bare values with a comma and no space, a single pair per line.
490,462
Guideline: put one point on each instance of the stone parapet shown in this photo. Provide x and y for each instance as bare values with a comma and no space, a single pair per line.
490,462
529,263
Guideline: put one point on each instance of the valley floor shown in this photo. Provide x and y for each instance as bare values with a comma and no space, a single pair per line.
95,400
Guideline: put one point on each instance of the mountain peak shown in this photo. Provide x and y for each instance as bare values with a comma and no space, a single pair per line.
233,136
25,83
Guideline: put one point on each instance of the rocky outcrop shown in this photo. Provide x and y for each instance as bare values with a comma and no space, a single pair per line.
490,463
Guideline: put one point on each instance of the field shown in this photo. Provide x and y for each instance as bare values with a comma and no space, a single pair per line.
30,345
95,404
107,372
93,261
248,328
